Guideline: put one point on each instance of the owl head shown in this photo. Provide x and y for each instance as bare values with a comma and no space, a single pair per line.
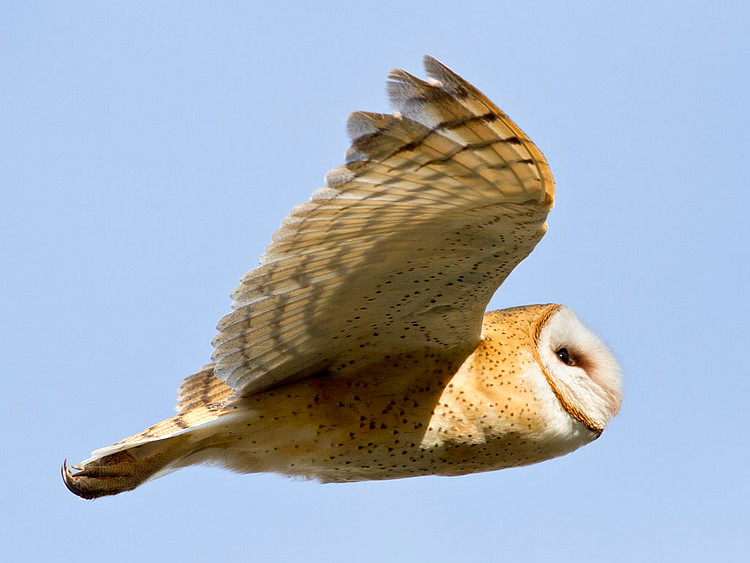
582,372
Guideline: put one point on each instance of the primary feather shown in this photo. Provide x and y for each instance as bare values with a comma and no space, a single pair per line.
404,247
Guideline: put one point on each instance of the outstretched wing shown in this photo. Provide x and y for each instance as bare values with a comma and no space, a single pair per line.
404,247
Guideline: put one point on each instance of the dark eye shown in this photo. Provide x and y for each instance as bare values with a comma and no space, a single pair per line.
565,357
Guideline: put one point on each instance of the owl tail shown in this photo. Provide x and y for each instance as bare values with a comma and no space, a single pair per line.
147,455
156,451
125,468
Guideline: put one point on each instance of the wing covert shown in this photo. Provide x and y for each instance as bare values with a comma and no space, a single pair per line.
404,247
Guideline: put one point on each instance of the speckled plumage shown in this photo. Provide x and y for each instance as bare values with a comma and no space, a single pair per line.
359,348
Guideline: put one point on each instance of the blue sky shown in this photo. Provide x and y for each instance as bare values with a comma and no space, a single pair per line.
149,149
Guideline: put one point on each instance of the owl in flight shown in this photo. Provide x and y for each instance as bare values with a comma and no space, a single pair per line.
360,349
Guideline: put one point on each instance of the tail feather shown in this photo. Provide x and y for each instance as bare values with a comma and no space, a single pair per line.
201,388
157,449
144,456
175,426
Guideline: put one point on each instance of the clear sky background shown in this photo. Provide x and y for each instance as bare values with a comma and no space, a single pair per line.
149,149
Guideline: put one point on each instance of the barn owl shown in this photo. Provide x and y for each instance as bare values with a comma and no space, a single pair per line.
359,348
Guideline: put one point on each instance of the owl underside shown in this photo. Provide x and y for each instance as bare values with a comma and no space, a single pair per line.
410,415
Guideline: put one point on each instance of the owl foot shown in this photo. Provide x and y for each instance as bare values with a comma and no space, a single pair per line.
124,470
110,475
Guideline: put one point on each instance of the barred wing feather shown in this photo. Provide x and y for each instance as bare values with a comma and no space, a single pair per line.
404,247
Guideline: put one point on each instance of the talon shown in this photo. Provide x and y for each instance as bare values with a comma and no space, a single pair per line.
76,482
77,467
68,478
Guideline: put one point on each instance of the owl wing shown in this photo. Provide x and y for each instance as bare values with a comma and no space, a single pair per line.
404,247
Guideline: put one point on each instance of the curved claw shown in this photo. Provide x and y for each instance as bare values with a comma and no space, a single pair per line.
69,478
98,479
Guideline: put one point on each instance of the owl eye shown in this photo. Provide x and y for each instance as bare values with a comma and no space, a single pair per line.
565,357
